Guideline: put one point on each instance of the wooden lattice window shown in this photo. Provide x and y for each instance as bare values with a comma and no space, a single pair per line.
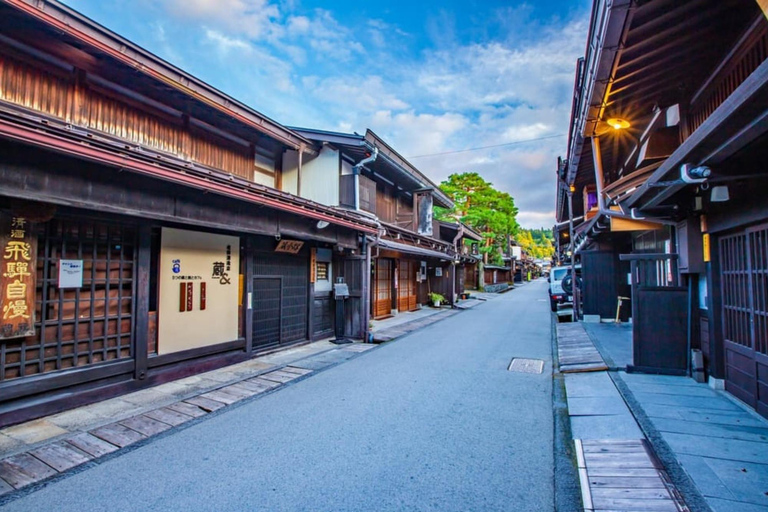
83,326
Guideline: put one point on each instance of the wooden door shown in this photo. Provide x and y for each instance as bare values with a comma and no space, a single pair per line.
744,290
382,289
406,292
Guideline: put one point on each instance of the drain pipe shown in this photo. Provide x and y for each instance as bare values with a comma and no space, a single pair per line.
458,254
356,173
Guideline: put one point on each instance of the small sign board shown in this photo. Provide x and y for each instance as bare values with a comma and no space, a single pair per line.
70,273
438,271
706,247
289,246
340,290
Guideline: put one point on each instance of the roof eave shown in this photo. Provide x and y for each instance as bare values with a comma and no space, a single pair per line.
98,37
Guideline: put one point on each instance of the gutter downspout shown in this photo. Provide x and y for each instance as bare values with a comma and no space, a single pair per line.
455,248
356,173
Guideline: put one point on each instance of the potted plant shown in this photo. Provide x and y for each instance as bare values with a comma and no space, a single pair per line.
436,299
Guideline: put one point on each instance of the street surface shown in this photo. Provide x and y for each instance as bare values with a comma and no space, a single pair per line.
432,421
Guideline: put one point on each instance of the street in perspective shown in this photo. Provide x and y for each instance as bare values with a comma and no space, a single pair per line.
324,256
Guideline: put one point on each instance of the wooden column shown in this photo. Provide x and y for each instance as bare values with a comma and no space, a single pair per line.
141,338
248,292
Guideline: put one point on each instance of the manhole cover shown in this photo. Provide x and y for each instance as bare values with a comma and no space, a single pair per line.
522,365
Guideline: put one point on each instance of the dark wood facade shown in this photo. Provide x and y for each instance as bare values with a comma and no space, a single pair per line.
100,172
696,110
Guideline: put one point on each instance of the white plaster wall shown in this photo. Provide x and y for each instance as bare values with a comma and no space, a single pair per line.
320,178
290,171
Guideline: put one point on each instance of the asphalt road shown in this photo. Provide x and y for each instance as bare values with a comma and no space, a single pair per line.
432,421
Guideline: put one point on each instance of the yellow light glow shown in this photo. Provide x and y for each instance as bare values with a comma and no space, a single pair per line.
618,124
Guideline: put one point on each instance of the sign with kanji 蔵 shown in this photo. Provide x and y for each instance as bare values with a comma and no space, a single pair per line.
18,272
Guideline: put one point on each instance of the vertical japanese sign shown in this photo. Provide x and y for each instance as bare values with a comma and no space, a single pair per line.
18,269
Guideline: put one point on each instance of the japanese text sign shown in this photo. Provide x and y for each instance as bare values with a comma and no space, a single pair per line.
18,272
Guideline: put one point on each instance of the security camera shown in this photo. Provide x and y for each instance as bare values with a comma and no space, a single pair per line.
691,174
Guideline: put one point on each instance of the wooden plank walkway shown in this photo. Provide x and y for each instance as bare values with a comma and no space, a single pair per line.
617,474
575,351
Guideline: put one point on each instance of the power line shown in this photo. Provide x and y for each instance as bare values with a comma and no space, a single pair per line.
488,147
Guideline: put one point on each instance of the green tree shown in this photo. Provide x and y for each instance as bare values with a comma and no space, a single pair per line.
480,206
537,243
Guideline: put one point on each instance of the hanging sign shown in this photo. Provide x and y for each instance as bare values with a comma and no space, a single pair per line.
706,247
289,246
313,265
18,270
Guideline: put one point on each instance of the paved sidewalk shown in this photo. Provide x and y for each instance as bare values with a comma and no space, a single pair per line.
618,469
714,448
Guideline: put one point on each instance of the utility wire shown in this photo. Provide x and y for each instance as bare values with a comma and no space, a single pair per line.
488,147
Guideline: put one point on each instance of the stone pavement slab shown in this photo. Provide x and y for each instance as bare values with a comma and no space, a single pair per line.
721,445
605,427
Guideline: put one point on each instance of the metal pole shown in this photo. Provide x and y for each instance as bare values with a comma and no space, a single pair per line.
573,254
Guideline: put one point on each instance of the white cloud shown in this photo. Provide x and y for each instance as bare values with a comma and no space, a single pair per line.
226,44
535,74
254,18
412,133
359,94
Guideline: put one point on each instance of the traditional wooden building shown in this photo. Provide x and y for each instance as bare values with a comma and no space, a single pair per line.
144,233
413,254
665,167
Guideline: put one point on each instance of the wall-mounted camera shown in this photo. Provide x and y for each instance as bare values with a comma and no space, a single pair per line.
694,174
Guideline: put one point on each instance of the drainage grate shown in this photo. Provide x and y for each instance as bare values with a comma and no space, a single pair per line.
521,365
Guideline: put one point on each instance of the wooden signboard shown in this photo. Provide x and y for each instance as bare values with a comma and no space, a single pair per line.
289,246
18,272
313,265
619,224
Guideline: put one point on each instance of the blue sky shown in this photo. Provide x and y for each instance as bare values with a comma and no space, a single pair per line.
429,77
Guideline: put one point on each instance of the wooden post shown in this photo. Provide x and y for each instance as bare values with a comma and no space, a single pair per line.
248,291
141,339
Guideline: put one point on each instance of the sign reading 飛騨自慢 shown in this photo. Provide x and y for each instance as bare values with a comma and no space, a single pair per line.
18,270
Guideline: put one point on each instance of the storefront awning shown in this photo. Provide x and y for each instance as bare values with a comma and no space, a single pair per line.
411,249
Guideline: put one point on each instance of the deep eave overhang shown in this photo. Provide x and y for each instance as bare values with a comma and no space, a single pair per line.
737,122
100,38
468,232
440,197
413,250
56,139
358,146
607,26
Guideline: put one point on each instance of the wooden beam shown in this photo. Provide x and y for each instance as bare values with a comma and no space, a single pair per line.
618,225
